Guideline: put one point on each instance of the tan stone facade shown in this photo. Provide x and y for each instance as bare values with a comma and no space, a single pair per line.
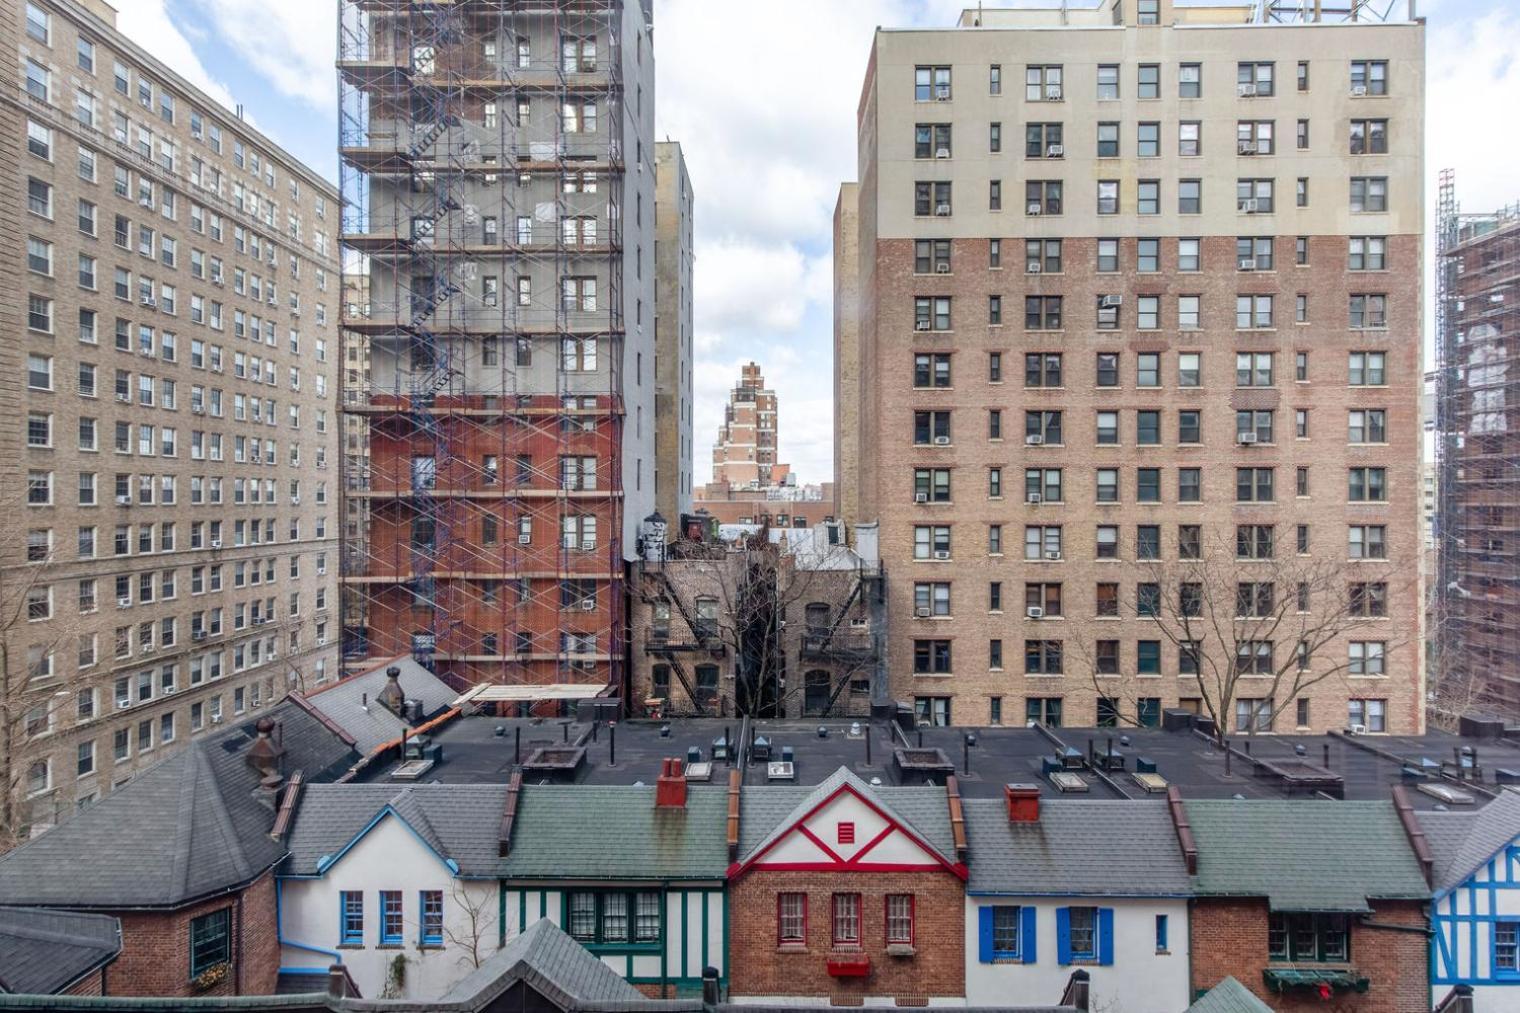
1041,314
173,472
674,250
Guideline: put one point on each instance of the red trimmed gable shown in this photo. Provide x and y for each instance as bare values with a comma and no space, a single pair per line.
846,832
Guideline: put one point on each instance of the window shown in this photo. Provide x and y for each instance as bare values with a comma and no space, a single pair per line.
931,599
390,917
1189,196
1368,311
1369,137
1042,369
1042,657
210,940
1367,541
1368,600
1045,710
1254,137
846,920
605,917
1253,714
931,313
1190,80
931,485
1108,140
1253,426
931,657
1148,77
1080,932
1254,485
1253,312
1507,946
1148,197
1369,77
1043,140
1365,657
931,84
900,919
351,908
1366,369
1107,483
931,140
1187,255
1042,196
1308,936
1302,135
1042,313
1368,253
1108,81
1369,194
930,540
791,918
1367,426
1108,196
1042,83
1007,933
1254,79
931,369
1254,196
1042,484
430,931
931,256
995,79
1253,253
1148,369
1367,485
1189,369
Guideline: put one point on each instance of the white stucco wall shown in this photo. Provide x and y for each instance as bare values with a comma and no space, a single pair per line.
389,857
1140,980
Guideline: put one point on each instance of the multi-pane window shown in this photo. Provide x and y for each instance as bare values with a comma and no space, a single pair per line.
1254,485
1042,541
931,598
1253,253
1368,599
1369,77
211,940
931,657
1368,253
931,541
1365,657
1189,196
1367,541
1253,80
931,369
1190,80
931,313
1108,196
1254,137
1367,425
931,485
351,910
1254,196
1042,197
1253,311
1369,193
430,931
931,84
1042,83
1042,313
1042,657
1367,369
1372,716
1369,137
931,198
391,928
1042,369
1108,81
1043,140
791,918
1148,255
846,919
1253,426
1042,485
1042,256
1189,138
931,256
1368,310
1308,937
900,919
931,140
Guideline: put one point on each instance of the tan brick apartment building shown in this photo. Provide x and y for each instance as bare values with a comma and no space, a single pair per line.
170,561
1132,282
674,324
744,454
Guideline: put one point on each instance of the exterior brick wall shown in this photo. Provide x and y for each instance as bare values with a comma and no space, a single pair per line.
155,955
1229,937
91,984
937,969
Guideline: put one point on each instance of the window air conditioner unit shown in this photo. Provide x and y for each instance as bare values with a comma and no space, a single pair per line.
1034,497
1358,90
942,93
1247,90
124,398
1357,729
216,719
198,635
1033,267
149,301
1112,301
942,210
1248,438
587,544
216,543
1033,440
124,501
1052,554
1035,612
920,497
122,603
1248,263
942,441
524,539
588,604
146,202
941,152
921,325
122,705
1247,147
921,613
941,268
1032,208
295,501
941,553
1248,205
197,410
148,648
1055,151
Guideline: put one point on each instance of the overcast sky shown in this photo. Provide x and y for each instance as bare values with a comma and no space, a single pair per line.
762,98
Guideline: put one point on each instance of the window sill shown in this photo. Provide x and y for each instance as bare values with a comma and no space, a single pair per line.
350,946
791,948
390,946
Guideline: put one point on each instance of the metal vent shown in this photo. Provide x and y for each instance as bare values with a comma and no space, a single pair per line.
1067,781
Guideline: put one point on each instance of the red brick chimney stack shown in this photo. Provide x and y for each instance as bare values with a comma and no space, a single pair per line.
670,787
1023,802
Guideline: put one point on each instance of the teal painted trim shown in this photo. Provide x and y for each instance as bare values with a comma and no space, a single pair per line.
685,900
723,949
501,914
706,938
543,906
664,935
522,910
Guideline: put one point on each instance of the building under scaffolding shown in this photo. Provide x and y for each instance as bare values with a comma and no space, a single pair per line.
1477,527
498,315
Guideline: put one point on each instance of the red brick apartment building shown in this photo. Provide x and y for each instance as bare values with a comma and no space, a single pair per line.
1128,287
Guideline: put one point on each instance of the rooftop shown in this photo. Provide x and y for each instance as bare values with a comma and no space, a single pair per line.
1440,769
42,952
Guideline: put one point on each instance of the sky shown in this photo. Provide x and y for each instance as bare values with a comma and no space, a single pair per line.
762,97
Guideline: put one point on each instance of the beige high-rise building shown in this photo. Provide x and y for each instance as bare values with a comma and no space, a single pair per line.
1138,346
674,240
171,457
744,454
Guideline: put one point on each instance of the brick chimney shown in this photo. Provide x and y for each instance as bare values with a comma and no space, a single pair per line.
670,787
1023,802
390,696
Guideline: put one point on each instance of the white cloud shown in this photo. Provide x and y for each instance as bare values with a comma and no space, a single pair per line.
290,43
149,24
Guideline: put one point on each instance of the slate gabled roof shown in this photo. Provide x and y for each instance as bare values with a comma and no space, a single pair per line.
353,705
1229,996
1303,854
550,962
1462,842
188,826
458,821
585,831
1078,847
43,952
768,811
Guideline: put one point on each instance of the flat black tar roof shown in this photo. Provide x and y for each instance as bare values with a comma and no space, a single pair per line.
482,749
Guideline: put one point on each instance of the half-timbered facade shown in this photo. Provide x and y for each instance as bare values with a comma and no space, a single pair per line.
1475,911
849,892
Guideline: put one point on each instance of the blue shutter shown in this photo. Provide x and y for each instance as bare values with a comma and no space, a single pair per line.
1063,935
984,933
1027,948
1105,935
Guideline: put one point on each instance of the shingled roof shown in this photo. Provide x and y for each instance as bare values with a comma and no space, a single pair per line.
1077,847
188,826
42,952
353,703
1302,854
1462,842
1229,996
552,964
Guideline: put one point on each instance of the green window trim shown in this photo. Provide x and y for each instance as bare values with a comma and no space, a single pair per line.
210,940
592,917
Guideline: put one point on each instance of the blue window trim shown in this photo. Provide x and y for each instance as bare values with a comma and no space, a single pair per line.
1501,973
387,897
1017,954
1027,951
347,936
429,938
1161,933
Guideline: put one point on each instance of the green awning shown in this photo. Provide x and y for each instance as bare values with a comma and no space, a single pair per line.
1339,979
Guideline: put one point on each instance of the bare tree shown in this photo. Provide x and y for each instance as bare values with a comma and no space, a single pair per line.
479,924
1251,623
16,678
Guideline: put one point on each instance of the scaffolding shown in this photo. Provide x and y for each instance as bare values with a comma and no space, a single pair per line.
1476,529
481,169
